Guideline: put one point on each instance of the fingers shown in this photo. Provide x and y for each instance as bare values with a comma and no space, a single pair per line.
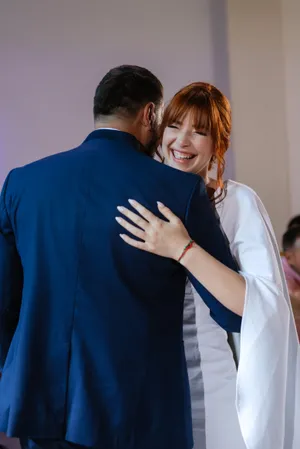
132,242
136,219
166,212
149,216
137,232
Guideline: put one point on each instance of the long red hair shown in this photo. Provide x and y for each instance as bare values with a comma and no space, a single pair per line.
211,112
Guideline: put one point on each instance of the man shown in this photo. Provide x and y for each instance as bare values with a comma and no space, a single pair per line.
291,266
91,329
295,221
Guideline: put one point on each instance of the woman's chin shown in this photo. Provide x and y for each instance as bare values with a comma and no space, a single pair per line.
179,166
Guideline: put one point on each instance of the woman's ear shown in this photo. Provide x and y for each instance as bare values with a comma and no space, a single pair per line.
211,162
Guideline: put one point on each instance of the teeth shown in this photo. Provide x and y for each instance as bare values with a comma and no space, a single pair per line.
179,155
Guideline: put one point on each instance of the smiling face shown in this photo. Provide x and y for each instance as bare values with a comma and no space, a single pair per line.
195,131
293,256
187,147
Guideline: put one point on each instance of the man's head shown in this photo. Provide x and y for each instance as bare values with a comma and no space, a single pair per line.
295,221
291,247
130,98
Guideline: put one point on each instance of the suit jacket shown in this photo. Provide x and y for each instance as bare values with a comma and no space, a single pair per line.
90,328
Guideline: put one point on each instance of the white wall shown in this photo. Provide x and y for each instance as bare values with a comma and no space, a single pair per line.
291,45
53,54
258,92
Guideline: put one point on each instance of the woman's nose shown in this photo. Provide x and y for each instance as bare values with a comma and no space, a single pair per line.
183,140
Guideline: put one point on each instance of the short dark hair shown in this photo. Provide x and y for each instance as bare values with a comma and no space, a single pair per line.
124,90
289,238
295,221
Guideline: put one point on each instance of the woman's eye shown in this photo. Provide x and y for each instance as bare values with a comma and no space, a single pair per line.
201,133
173,126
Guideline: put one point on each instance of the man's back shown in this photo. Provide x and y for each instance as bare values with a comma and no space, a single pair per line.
97,355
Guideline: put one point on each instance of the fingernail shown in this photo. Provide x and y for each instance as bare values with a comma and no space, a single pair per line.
122,236
160,204
120,208
131,201
118,218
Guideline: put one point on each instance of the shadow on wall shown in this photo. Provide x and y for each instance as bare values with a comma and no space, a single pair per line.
220,58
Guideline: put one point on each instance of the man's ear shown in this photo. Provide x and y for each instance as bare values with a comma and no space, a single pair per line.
288,255
148,116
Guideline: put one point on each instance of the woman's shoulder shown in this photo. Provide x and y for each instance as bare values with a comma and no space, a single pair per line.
239,191
242,213
240,201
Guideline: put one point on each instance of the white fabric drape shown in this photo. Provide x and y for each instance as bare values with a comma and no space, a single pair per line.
267,381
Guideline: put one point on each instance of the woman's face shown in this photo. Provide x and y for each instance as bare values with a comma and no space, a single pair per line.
186,147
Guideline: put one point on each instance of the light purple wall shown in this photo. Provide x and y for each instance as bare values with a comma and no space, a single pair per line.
53,55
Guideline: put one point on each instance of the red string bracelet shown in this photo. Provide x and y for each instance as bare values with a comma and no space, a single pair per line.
186,248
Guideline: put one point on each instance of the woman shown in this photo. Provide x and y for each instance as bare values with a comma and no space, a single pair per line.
195,136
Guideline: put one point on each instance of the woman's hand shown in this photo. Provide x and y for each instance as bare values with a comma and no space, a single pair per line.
169,238
164,238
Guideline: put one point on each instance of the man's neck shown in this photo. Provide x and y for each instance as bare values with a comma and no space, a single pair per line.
111,126
116,124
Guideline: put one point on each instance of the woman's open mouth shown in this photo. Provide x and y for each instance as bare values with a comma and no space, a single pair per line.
181,156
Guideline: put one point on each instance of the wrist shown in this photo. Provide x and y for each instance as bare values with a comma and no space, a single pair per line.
185,248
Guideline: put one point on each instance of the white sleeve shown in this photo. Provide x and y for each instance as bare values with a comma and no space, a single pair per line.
266,381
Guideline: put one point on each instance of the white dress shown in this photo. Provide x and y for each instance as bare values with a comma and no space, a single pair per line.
256,407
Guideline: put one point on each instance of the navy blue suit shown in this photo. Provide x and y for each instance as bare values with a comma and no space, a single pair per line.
91,344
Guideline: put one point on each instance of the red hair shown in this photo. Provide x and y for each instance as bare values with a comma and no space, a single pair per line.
211,112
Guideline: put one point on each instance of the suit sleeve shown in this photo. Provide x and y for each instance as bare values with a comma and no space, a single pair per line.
11,279
203,226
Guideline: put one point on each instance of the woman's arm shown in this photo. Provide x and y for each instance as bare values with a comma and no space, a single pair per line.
225,284
168,239
269,350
